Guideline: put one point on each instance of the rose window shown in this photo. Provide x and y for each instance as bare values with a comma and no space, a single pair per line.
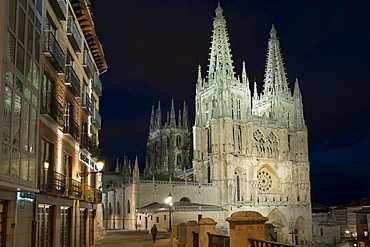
264,181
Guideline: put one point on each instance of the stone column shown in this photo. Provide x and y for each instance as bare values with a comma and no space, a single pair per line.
191,226
182,235
245,225
206,225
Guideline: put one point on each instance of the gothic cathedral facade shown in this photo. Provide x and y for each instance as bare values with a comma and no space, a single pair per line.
253,148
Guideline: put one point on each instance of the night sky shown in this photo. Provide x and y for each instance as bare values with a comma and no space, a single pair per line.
153,49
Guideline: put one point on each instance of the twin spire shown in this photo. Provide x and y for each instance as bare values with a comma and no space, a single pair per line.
221,69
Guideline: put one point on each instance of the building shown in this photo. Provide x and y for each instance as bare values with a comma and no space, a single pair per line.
250,151
51,61
169,144
363,226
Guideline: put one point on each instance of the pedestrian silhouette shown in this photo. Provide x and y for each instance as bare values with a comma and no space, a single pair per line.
153,230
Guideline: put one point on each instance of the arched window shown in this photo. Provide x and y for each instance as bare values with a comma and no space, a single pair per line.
118,208
128,206
184,199
238,188
209,174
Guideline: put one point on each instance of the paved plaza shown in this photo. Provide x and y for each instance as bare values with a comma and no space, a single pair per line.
133,239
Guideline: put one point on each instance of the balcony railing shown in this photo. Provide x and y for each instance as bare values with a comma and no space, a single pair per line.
73,34
262,243
60,8
96,119
53,52
72,128
51,107
218,240
96,152
53,182
88,64
75,190
72,81
97,85
87,103
86,143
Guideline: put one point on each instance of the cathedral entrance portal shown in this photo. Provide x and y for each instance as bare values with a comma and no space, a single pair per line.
300,228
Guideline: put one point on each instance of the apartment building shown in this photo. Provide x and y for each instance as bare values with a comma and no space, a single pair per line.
51,60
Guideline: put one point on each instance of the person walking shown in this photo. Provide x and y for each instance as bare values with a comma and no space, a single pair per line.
154,230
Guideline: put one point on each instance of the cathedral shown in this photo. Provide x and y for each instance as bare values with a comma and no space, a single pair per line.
249,151
168,145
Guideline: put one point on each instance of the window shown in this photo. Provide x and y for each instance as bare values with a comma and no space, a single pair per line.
157,219
64,227
199,217
44,225
238,188
128,207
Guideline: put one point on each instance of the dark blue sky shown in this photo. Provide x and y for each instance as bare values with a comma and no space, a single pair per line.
153,49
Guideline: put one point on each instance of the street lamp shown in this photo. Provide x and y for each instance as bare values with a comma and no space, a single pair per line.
99,165
169,202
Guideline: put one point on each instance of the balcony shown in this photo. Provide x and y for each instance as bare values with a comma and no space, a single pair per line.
88,64
72,81
60,8
97,85
86,143
87,104
71,128
52,108
74,189
96,152
96,119
74,35
53,182
53,52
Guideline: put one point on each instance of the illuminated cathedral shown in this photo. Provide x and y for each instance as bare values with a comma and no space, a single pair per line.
250,150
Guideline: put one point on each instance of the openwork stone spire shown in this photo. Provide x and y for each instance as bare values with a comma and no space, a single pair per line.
220,62
275,82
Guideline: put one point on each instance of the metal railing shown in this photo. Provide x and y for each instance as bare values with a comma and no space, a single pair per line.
96,118
52,107
87,103
73,34
53,182
53,52
218,240
97,85
96,152
72,81
60,8
263,243
175,183
75,190
88,64
72,128
86,142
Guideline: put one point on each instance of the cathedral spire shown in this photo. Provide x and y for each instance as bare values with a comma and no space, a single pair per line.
220,62
152,122
172,114
159,116
136,172
185,116
117,166
275,82
244,75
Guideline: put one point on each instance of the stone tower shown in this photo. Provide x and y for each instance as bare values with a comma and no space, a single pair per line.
253,148
168,145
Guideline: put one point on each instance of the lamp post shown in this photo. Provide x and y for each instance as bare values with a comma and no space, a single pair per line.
169,202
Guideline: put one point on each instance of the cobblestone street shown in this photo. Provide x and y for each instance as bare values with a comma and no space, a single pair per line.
132,239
